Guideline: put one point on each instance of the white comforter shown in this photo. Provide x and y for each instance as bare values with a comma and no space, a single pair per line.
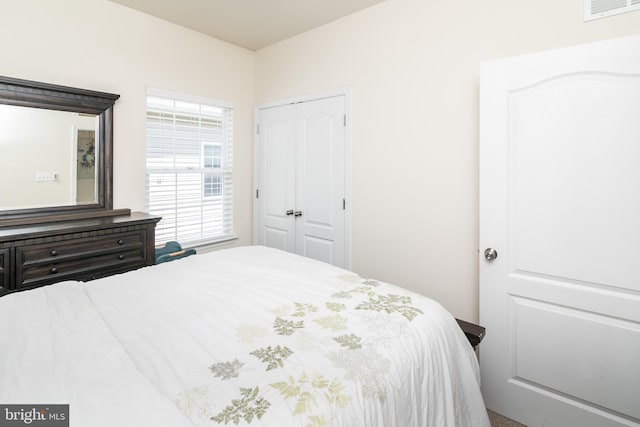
247,336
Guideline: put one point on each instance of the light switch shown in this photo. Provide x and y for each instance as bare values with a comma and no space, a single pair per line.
43,177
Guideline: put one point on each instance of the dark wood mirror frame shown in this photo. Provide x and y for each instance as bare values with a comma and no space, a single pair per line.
27,93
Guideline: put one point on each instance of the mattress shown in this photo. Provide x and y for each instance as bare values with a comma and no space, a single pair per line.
243,336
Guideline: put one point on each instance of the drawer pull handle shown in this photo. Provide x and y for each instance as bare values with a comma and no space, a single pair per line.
54,252
53,270
121,242
120,257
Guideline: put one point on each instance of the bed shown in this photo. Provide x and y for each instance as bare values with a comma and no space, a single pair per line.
243,336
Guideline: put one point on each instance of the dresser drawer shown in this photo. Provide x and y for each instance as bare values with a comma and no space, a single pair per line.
85,268
4,269
79,248
79,259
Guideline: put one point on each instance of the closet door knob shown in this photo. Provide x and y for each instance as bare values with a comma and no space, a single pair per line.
298,213
289,212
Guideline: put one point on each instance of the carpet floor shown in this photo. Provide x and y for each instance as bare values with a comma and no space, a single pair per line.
498,420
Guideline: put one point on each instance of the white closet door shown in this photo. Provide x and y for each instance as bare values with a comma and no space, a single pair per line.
320,180
276,178
301,179
560,202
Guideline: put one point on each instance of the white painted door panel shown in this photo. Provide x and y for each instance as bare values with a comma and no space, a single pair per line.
276,174
560,202
574,149
320,232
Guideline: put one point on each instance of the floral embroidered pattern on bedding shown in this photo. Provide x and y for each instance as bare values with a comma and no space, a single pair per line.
350,330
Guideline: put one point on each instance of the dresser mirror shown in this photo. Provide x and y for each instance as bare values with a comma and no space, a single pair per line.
56,146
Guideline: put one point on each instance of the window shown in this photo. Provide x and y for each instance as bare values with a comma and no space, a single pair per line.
189,167
212,161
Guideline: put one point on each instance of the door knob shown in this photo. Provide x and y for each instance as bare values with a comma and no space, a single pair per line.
490,254
298,213
289,212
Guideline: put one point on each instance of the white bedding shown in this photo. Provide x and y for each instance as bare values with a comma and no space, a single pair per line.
247,336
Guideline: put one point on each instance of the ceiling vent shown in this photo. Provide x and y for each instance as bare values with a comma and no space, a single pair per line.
595,9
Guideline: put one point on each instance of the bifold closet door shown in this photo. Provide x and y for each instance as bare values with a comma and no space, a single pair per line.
275,194
320,144
301,179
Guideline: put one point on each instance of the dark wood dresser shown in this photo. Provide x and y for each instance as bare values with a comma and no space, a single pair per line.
85,249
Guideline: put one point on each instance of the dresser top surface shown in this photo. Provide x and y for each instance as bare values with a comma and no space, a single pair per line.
14,232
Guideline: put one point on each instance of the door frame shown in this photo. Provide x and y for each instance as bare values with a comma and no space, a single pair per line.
346,92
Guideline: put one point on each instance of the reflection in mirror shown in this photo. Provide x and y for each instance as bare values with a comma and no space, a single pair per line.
85,171
48,156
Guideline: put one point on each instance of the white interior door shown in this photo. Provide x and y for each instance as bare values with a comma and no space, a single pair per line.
276,177
301,179
560,203
320,182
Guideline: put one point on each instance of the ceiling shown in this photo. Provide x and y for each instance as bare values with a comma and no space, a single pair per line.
252,24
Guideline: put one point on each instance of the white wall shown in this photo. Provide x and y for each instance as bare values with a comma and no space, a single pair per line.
100,45
413,68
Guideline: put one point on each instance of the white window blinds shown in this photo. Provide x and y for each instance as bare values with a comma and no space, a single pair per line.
189,167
